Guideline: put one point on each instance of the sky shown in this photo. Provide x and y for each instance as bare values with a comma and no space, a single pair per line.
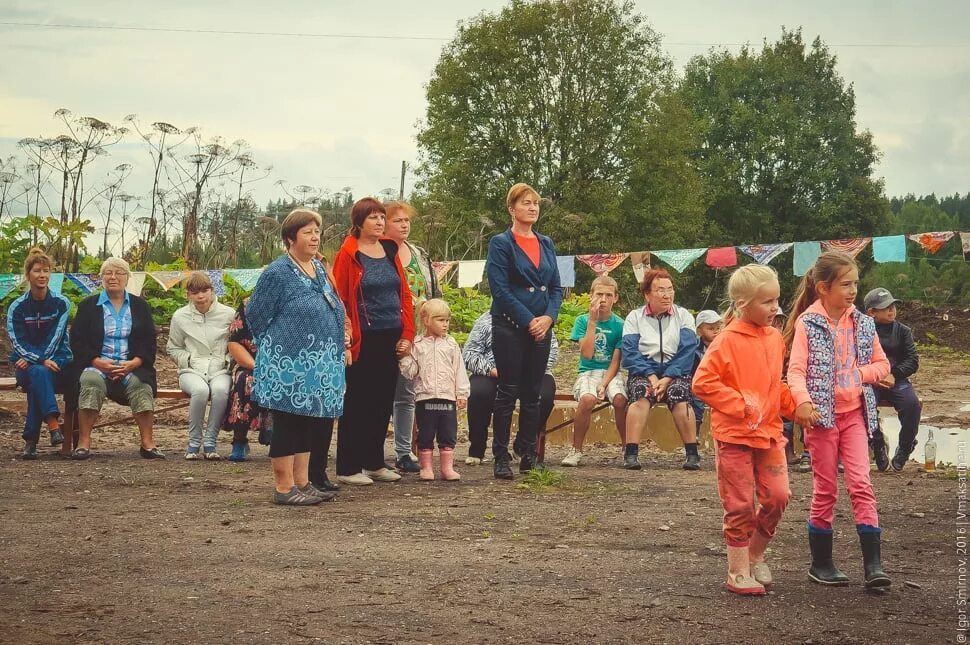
343,111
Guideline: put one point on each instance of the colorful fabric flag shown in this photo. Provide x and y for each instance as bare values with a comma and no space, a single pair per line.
764,253
680,259
86,283
9,282
218,284
56,283
641,263
567,270
805,255
470,272
726,256
602,263
136,282
965,242
169,279
852,247
443,268
932,242
889,248
245,278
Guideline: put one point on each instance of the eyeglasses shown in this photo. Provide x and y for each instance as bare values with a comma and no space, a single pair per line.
663,292
111,274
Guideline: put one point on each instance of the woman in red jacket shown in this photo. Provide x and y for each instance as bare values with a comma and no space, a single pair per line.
373,287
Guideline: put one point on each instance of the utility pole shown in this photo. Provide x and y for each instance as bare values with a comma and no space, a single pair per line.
404,168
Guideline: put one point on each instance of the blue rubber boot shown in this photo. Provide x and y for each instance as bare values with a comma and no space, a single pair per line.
239,452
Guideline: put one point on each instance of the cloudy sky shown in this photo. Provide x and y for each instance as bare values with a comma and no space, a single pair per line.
341,111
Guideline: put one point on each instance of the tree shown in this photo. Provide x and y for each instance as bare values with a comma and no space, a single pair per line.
780,151
559,94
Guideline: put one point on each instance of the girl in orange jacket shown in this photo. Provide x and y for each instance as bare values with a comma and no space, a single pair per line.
740,378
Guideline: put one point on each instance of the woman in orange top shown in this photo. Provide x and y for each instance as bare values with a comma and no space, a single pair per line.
740,379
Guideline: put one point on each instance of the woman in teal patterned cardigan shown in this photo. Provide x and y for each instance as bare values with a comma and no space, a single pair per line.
297,321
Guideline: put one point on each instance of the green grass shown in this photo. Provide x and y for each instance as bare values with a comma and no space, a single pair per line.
945,353
540,480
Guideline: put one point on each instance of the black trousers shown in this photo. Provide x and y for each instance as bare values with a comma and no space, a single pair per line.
481,403
319,449
521,364
371,382
294,434
437,419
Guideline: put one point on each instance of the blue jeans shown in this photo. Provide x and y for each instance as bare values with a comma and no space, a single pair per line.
903,398
403,415
40,385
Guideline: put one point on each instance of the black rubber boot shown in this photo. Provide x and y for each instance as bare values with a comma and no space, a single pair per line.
823,570
875,576
502,469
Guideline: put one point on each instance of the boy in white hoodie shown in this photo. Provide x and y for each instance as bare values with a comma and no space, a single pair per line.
197,342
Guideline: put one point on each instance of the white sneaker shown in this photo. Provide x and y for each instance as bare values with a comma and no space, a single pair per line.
192,456
357,479
382,475
473,461
573,458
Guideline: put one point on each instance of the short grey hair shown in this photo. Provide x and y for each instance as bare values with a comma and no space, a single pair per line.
114,263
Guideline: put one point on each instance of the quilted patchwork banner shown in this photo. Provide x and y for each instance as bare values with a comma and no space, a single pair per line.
764,253
602,263
680,259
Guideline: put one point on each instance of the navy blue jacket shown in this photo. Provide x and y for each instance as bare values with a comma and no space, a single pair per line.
520,290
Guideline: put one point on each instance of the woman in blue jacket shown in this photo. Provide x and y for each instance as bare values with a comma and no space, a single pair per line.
37,326
526,296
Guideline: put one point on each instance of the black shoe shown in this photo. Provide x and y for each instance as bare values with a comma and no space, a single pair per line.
30,450
693,462
881,452
406,465
872,565
823,570
502,467
630,462
154,453
327,485
265,437
527,462
57,438
899,459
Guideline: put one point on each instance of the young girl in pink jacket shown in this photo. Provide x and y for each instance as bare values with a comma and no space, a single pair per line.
835,360
441,389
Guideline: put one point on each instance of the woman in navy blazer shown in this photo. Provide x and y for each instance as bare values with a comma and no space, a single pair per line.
524,280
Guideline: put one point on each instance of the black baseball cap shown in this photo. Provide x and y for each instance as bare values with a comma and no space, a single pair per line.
879,299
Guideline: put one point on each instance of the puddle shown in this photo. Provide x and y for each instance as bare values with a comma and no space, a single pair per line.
952,444
965,407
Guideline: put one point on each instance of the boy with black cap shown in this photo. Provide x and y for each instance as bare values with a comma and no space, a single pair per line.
897,341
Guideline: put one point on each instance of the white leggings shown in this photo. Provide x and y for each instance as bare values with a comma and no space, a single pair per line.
200,392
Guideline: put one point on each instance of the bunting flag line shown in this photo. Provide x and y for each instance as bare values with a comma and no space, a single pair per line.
218,285
680,259
641,263
852,247
9,282
136,282
721,258
56,283
764,253
934,241
889,248
442,269
805,255
86,283
602,263
168,279
965,243
245,278
470,272
567,270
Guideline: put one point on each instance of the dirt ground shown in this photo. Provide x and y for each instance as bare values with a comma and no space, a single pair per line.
121,550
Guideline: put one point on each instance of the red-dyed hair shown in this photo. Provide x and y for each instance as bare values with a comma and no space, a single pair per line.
650,276
360,210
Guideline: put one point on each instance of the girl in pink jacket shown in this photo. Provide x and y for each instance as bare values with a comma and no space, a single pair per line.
835,360
441,389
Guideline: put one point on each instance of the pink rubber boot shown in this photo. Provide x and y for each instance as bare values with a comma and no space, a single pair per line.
424,461
447,458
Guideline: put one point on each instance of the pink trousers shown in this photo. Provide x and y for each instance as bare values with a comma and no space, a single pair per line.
742,470
848,441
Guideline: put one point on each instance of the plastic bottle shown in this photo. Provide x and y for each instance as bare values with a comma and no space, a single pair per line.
929,453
